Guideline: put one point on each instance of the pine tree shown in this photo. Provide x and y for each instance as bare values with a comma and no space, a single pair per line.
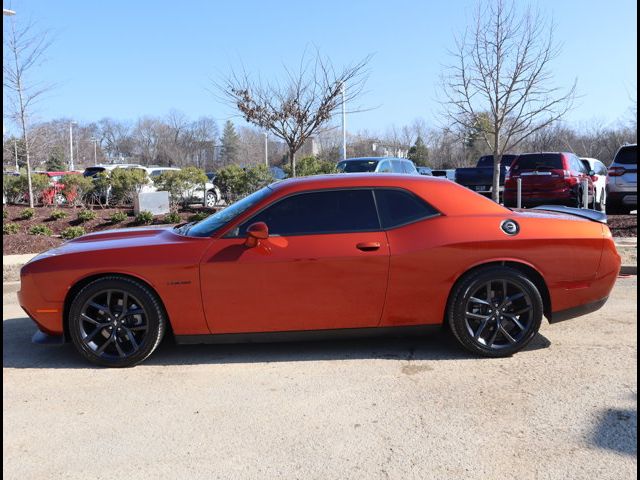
419,153
230,144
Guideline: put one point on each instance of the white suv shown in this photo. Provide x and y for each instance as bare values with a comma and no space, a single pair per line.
209,196
622,190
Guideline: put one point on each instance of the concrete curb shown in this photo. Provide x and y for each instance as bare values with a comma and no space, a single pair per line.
10,287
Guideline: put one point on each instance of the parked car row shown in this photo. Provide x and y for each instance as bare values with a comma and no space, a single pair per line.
560,178
209,194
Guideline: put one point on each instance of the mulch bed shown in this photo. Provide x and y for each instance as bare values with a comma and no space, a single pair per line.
623,225
23,242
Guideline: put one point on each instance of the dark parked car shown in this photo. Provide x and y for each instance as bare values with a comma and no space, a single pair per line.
548,178
622,187
480,178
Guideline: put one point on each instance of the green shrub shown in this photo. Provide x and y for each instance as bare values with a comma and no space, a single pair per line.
312,166
77,189
144,218
236,182
5,214
72,232
196,217
58,214
10,228
26,214
40,230
126,183
16,187
86,216
173,217
182,185
117,217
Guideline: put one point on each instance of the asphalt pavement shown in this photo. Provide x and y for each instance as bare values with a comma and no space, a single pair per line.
417,408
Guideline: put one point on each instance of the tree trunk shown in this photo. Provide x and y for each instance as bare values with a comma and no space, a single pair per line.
292,159
497,160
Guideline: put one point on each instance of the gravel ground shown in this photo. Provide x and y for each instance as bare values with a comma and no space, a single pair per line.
415,408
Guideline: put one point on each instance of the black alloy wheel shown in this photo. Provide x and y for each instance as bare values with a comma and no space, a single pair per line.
116,322
495,312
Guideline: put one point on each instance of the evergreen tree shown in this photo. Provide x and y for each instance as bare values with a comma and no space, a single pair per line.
56,161
230,144
419,153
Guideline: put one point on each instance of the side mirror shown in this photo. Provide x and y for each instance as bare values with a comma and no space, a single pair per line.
256,232
592,173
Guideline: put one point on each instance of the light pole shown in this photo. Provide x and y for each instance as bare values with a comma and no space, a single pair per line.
71,166
266,149
95,150
344,125
7,12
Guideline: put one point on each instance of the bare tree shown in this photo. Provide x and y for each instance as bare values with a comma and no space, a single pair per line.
298,108
501,73
24,50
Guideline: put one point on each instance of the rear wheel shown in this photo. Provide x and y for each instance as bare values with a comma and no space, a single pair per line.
495,312
116,322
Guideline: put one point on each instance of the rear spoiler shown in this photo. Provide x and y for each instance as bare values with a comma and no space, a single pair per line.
592,215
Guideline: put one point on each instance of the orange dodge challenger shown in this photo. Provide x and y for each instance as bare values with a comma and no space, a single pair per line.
325,256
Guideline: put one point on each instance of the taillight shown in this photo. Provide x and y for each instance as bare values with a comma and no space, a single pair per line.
616,171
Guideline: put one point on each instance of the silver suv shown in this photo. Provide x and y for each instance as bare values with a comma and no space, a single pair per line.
622,188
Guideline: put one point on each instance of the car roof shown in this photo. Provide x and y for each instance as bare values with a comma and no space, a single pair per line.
370,159
446,196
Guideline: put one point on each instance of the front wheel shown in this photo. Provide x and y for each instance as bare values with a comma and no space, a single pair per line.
116,322
210,199
495,312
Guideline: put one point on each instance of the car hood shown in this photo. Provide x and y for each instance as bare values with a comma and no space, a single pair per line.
116,239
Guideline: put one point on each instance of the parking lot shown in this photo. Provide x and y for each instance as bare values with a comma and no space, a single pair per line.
385,408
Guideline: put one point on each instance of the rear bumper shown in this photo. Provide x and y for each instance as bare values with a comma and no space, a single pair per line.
578,311
624,198
564,195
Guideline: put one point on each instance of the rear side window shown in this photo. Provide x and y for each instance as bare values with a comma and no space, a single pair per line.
335,211
357,166
538,161
627,156
409,167
398,207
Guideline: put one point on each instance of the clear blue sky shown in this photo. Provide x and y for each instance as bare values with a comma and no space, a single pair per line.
125,59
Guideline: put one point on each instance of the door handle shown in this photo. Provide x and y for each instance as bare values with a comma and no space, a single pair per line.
368,246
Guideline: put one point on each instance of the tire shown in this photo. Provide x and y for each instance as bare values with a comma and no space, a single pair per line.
210,199
106,337
485,330
601,206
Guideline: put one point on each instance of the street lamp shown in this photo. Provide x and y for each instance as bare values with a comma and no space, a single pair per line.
7,12
95,150
344,125
266,149
71,124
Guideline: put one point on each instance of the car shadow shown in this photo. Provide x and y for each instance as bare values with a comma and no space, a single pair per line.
617,430
19,352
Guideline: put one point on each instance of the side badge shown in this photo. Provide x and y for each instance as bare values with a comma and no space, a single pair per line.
510,227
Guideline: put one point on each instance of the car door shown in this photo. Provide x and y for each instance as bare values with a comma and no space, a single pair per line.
324,266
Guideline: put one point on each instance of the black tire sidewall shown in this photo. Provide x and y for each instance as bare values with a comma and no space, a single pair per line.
462,292
150,303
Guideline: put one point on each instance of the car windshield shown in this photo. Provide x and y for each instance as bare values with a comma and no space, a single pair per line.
206,227
356,166
543,161
627,156
92,171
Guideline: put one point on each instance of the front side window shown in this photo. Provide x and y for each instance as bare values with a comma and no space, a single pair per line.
335,211
209,225
399,207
